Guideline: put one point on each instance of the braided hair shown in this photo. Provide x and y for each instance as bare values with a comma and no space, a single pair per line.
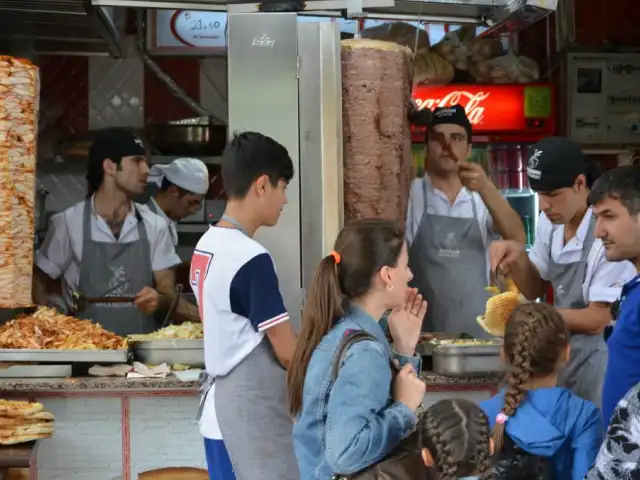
456,433
534,340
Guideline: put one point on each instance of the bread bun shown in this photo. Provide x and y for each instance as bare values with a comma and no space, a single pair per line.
175,473
497,312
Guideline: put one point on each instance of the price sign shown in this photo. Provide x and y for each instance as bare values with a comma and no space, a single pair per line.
199,29
187,32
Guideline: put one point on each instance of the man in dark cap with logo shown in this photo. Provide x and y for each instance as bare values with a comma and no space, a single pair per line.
567,255
109,246
454,213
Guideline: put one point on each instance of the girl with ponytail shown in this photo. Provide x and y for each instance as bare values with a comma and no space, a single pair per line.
349,411
540,431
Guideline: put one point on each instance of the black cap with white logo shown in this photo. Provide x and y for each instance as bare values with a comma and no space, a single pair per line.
555,163
455,115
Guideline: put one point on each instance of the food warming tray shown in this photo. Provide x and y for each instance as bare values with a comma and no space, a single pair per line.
171,352
460,360
35,371
64,356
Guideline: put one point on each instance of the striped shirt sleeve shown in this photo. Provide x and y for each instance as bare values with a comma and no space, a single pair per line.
255,294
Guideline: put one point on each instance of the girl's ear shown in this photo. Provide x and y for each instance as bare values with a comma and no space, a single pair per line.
427,458
492,447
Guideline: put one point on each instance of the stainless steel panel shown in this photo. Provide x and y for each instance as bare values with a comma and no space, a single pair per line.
73,356
263,97
36,371
321,180
116,90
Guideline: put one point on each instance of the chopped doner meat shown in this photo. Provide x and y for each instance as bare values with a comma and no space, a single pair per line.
47,329
19,97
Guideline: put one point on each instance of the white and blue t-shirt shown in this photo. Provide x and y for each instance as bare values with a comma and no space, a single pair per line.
236,287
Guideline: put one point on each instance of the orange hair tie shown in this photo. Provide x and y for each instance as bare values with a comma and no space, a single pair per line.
335,255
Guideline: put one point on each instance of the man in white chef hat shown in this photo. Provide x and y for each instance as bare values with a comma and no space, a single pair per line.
183,184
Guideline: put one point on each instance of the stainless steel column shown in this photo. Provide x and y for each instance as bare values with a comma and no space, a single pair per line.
263,97
320,142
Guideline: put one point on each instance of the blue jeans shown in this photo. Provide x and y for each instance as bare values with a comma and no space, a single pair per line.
218,461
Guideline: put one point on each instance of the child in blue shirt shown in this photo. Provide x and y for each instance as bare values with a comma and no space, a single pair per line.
540,430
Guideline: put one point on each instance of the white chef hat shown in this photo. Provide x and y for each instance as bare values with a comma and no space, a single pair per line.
188,173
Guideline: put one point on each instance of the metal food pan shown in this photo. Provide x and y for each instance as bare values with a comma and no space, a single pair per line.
169,344
467,360
64,356
192,357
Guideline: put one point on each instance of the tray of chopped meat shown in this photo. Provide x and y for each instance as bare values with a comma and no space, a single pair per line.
47,336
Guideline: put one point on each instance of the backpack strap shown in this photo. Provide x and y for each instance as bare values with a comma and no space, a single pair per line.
350,337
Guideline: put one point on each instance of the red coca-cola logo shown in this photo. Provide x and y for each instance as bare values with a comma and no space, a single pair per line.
473,103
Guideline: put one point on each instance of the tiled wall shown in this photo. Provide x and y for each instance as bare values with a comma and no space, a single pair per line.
88,439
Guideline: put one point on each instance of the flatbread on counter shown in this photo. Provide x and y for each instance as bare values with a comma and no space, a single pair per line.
41,417
13,440
27,430
16,408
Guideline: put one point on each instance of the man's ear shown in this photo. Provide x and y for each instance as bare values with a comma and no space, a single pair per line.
427,458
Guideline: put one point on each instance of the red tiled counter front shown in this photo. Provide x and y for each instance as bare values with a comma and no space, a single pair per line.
108,428
475,389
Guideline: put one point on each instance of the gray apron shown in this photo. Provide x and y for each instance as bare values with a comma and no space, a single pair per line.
115,269
449,263
584,373
251,408
153,206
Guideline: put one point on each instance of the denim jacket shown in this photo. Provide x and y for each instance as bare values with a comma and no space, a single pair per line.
350,425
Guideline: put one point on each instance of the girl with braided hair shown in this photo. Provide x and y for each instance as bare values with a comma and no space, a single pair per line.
457,441
540,431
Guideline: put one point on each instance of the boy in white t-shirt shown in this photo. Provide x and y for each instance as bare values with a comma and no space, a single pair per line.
248,339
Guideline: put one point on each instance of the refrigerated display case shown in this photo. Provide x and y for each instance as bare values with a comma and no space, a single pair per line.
507,120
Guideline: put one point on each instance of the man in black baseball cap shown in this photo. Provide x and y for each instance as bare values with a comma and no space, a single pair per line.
454,213
567,256
109,246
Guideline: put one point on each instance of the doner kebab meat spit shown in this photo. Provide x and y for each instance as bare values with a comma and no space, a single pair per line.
376,96
19,97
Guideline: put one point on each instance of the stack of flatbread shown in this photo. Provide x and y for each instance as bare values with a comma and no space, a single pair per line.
22,422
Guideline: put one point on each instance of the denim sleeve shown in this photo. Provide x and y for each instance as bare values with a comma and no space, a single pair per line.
363,424
416,360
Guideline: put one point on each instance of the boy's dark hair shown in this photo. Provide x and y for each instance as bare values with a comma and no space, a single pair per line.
247,157
622,184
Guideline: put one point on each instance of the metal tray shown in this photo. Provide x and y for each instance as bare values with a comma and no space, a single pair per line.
64,356
467,360
171,352
169,344
36,371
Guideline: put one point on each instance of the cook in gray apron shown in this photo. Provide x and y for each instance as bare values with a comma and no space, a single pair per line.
449,264
251,407
115,269
584,373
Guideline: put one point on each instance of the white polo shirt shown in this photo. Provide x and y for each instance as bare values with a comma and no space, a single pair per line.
603,280
170,223
236,287
438,204
61,252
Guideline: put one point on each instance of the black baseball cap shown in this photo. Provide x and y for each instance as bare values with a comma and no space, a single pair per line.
555,163
112,143
455,115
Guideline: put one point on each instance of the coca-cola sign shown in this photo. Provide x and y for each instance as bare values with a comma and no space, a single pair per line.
473,103
490,108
